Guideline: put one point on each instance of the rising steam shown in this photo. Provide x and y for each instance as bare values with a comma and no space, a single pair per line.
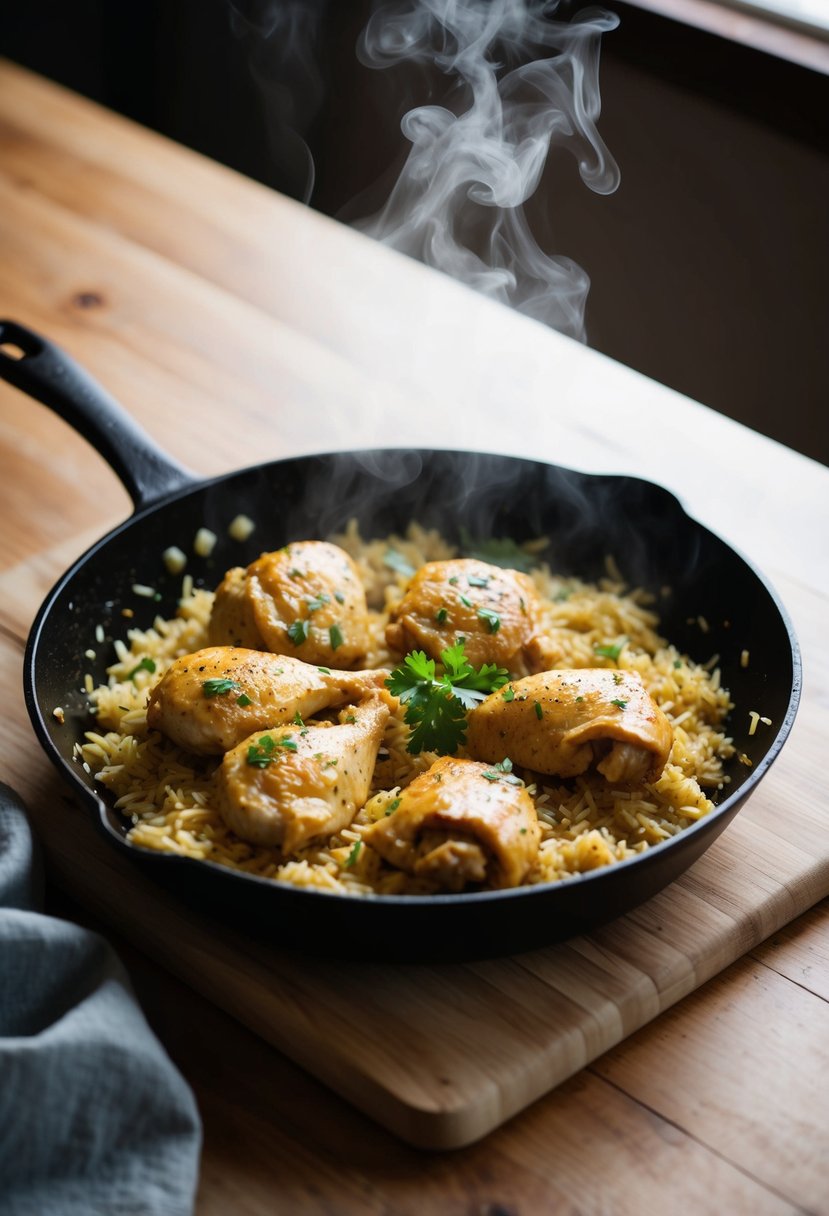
282,39
458,203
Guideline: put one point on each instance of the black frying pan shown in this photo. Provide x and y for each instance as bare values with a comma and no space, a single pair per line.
464,494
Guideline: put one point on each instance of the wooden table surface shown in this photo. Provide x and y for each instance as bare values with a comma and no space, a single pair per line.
237,326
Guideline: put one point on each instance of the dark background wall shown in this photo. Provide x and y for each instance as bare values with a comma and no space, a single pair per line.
709,265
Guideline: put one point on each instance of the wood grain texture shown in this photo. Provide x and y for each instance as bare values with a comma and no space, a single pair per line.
188,290
300,318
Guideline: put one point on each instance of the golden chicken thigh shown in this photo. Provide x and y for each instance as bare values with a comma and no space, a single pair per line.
305,600
286,788
561,722
461,823
209,701
494,610
232,622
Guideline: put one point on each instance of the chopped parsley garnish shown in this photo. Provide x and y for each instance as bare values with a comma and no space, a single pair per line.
396,561
579,698
508,694
326,671
453,580
492,619
260,754
393,805
475,581
617,677
466,601
610,651
441,615
335,636
436,705
298,632
354,854
297,719
539,710
145,665
618,701
503,772
265,750
243,699
219,687
319,601
677,663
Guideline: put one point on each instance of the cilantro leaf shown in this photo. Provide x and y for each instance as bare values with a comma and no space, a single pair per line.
260,754
219,687
298,632
492,619
503,772
414,679
437,705
146,664
354,854
611,651
264,751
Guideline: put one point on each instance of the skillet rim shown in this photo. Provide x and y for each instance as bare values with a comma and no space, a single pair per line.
724,810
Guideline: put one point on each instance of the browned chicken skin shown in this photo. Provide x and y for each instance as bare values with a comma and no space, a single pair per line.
305,600
209,701
461,823
561,722
287,787
232,622
494,610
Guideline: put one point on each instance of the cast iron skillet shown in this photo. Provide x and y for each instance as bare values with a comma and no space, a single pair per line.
465,494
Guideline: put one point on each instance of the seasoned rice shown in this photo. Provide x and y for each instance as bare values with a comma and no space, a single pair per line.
586,823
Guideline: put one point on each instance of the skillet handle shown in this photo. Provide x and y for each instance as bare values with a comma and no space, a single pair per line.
43,371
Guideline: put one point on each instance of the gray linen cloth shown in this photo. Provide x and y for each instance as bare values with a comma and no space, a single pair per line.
94,1118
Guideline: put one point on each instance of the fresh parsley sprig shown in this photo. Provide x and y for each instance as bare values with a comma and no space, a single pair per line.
437,705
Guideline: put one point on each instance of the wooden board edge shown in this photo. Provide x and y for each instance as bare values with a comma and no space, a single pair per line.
426,1126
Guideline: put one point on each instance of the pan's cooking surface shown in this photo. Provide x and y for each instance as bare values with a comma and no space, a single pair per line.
586,518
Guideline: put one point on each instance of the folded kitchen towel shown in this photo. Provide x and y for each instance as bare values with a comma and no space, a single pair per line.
94,1118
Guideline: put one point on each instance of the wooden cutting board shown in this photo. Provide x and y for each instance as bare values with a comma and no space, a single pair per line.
442,1055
